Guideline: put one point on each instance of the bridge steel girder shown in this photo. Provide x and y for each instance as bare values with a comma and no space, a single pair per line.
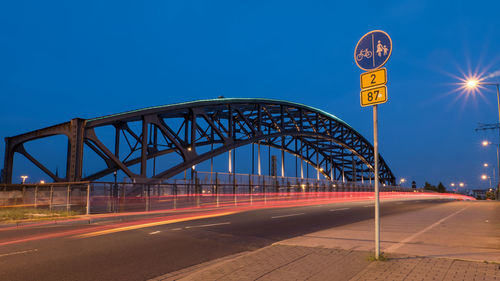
329,144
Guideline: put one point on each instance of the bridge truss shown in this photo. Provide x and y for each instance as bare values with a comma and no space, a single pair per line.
200,130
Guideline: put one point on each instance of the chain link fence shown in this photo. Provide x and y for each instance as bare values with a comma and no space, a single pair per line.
202,190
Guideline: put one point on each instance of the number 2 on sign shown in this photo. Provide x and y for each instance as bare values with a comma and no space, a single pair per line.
374,78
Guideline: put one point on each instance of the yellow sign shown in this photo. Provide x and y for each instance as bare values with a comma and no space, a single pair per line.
374,96
373,78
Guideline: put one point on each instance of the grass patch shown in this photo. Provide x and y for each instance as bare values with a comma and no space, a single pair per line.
31,214
381,257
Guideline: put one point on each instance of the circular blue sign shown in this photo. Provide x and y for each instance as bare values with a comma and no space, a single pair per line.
373,50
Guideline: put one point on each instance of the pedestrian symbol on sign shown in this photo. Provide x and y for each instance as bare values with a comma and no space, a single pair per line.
381,49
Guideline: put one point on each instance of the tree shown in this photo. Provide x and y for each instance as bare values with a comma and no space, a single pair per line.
428,186
441,188
490,195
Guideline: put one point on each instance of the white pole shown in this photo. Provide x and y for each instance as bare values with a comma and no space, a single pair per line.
230,165
498,147
88,199
282,163
259,170
377,203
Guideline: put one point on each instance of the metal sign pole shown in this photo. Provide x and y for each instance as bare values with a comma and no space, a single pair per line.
377,203
373,92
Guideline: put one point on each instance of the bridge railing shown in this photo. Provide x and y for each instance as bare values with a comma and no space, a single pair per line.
71,196
202,190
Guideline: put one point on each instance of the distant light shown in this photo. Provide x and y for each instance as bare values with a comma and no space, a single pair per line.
461,184
485,143
452,184
321,169
189,148
484,177
402,180
24,178
472,83
485,164
193,167
42,181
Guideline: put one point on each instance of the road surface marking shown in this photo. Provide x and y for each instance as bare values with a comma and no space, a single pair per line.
207,225
179,228
284,216
341,209
144,225
18,253
398,245
368,206
154,232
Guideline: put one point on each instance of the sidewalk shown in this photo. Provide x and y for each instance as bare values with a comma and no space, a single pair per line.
281,262
455,241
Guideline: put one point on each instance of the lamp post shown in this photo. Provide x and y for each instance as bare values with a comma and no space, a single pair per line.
486,143
486,177
401,181
24,178
486,165
473,83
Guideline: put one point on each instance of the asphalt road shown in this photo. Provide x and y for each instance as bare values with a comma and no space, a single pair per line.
57,252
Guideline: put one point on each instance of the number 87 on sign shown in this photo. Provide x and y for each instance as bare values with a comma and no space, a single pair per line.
374,96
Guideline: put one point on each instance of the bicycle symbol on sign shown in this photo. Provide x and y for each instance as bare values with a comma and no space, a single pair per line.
364,54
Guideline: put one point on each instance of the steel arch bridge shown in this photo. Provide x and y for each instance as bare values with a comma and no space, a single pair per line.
200,130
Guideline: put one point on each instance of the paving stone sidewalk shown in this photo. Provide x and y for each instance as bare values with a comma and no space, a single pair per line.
283,262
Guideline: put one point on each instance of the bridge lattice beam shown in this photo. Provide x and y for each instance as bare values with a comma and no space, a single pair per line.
197,131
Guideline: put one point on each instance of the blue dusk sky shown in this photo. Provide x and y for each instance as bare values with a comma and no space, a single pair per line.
65,59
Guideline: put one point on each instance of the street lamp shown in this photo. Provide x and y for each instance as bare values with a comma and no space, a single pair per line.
486,143
486,165
24,178
401,181
485,177
461,184
473,83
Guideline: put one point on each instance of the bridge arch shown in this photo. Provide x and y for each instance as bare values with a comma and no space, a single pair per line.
199,130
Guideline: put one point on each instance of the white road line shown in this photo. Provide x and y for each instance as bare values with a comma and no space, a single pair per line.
17,253
397,246
154,232
207,225
368,206
284,216
341,209
179,228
